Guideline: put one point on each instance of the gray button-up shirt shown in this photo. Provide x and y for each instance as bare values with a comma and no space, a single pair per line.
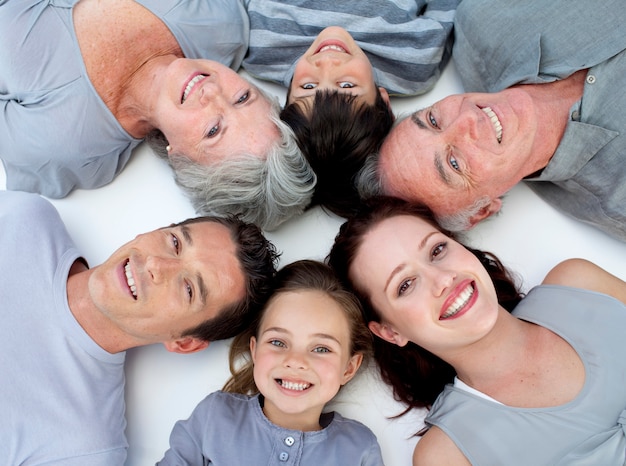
537,41
231,429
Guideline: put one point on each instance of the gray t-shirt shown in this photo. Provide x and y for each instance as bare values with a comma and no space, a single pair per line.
589,430
61,395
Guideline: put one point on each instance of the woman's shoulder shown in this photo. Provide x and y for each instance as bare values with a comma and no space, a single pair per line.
580,273
436,448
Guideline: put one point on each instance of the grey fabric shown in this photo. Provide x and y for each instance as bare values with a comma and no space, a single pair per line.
589,430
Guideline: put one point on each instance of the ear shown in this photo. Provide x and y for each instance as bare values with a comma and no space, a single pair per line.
387,333
185,345
353,365
490,209
253,348
385,95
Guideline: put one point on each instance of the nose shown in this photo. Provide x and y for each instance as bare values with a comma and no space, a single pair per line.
465,126
160,269
295,359
210,92
441,281
326,61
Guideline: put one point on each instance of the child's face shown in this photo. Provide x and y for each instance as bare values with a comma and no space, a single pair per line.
301,357
333,62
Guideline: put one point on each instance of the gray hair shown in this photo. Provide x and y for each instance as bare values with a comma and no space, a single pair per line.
367,180
265,191
461,221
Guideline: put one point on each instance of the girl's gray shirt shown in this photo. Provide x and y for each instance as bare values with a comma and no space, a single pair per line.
228,429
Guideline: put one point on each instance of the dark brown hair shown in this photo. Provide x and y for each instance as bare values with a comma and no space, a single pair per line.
336,133
416,375
257,259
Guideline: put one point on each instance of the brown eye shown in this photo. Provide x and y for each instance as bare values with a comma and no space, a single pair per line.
404,286
439,249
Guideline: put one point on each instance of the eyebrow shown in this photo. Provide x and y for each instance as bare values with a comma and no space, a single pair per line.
441,171
204,292
439,165
417,121
401,266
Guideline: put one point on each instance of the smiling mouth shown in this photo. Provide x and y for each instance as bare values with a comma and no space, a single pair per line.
130,280
333,47
460,302
190,85
495,121
296,386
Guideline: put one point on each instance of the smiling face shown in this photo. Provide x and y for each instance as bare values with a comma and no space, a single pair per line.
427,288
333,62
301,357
208,112
462,148
167,281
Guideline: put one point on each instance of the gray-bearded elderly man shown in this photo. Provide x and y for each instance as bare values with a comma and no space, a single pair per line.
550,112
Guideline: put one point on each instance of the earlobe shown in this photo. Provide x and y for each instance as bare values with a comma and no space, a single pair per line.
387,333
487,211
185,345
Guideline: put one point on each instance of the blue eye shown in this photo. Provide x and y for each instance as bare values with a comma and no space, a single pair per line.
278,343
175,243
243,98
453,163
308,86
213,131
321,349
346,85
432,120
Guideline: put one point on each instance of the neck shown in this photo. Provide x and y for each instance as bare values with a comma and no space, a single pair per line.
553,102
308,421
140,92
514,340
99,329
119,40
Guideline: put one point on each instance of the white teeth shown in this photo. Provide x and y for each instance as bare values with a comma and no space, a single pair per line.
459,303
190,86
336,48
130,280
494,121
294,386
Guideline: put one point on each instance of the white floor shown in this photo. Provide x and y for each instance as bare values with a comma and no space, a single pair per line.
529,236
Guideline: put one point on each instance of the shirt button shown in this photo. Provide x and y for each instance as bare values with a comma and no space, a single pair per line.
289,441
284,456
591,79
576,115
